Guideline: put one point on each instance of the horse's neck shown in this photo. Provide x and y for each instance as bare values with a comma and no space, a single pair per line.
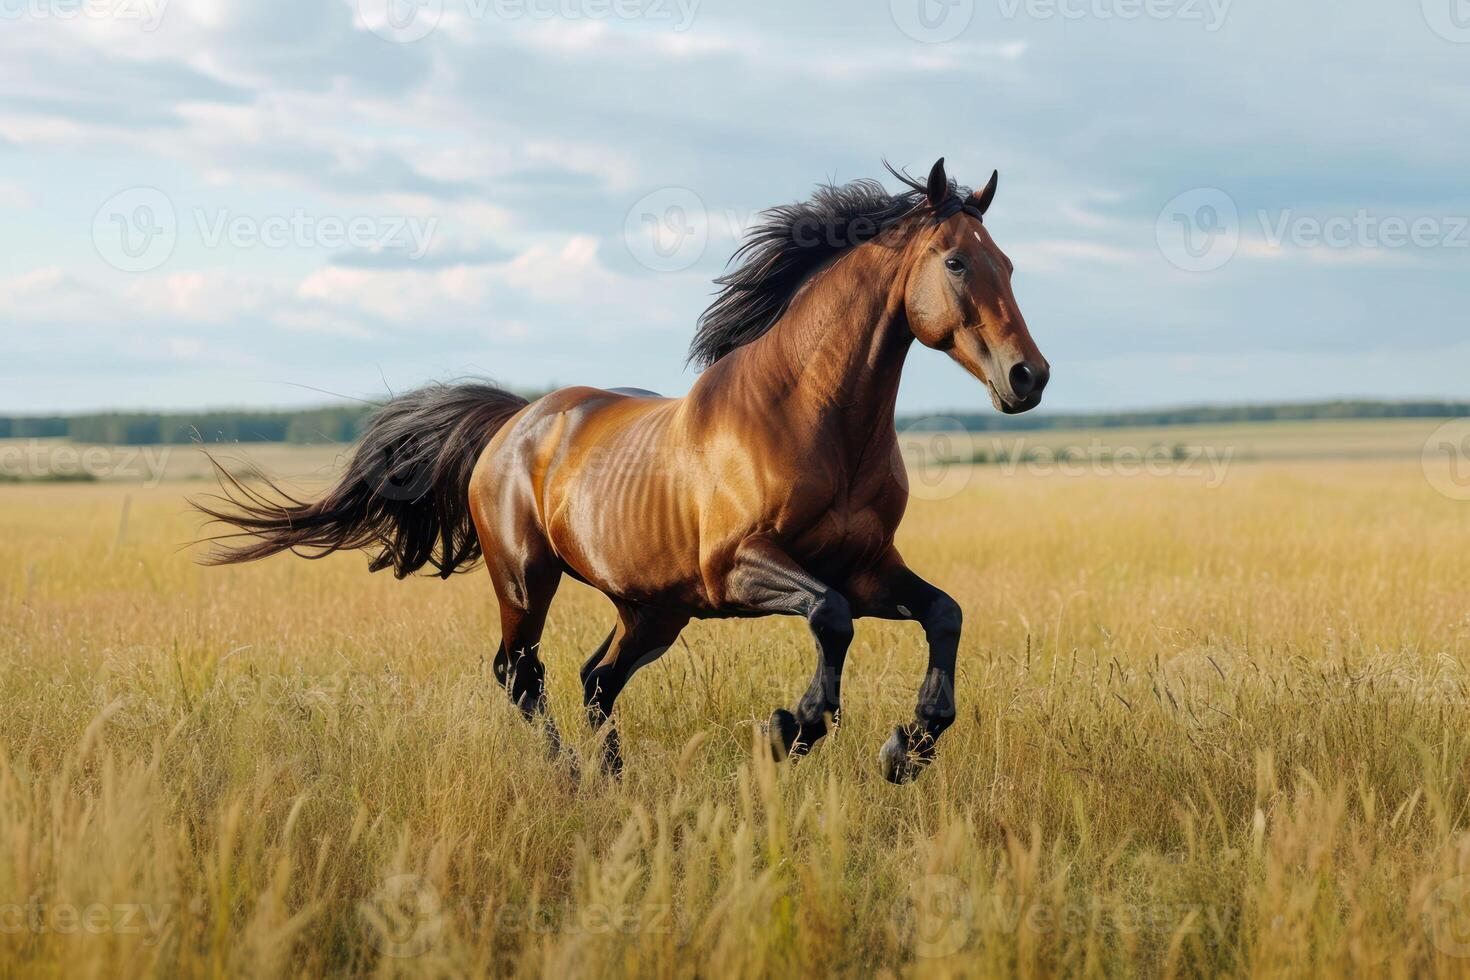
835,358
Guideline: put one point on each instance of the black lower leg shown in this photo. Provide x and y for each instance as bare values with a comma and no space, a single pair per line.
524,677
912,746
640,638
525,586
794,733
524,680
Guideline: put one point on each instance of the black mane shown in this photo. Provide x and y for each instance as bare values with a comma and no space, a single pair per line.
790,243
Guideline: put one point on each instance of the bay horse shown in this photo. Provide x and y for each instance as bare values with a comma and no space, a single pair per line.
775,486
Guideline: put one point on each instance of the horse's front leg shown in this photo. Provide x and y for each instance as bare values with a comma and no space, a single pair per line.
763,578
897,593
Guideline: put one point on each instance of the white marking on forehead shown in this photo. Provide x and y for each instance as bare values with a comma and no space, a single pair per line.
977,237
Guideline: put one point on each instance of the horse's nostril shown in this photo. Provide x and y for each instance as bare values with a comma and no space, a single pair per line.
1023,379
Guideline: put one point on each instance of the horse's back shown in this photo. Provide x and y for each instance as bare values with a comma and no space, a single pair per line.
573,433
545,423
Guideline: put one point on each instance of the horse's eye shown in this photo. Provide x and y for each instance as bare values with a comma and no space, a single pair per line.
954,265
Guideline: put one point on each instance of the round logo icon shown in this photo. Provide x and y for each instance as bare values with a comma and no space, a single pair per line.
667,231
1446,916
1199,684
136,230
406,916
1450,19
400,21
1446,459
935,916
1199,230
932,21
935,458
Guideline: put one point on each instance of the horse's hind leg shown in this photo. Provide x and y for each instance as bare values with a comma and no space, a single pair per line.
525,587
596,658
641,637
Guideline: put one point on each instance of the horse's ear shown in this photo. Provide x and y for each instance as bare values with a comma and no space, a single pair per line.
938,187
980,200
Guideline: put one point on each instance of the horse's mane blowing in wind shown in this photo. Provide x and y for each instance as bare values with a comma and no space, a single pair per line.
793,241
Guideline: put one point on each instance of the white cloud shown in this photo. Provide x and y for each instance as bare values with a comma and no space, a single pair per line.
212,297
571,271
49,294
552,277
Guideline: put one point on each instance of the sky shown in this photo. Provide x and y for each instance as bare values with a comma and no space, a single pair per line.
289,202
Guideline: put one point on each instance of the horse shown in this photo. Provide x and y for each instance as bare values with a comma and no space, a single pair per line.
774,487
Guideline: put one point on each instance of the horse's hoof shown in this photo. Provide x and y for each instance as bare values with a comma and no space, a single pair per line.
899,760
782,730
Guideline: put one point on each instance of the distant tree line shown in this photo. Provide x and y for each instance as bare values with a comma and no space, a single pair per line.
345,423
317,425
1199,415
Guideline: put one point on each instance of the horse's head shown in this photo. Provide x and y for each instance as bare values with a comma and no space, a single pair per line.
959,300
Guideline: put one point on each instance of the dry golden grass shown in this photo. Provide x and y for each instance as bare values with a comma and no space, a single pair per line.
1201,730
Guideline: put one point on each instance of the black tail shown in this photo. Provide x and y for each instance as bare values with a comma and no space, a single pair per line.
405,495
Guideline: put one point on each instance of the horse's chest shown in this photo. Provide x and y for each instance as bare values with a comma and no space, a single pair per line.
843,538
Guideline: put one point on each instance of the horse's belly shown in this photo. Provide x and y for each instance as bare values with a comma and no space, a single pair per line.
621,517
643,552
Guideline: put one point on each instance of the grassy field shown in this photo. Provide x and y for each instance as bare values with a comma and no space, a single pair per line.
1205,725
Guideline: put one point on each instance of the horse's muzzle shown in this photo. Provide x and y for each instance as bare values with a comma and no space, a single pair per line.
1013,405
